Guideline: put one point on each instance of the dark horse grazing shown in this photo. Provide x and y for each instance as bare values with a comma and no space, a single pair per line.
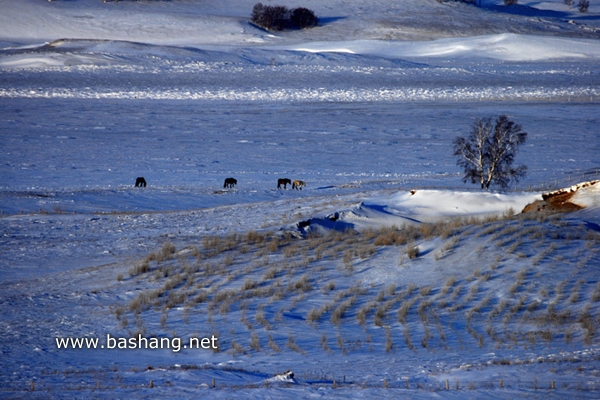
140,182
230,182
284,182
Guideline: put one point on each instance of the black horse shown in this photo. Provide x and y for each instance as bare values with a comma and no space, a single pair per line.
229,183
140,182
283,182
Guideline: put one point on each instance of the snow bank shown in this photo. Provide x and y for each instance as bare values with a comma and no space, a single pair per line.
420,206
588,195
506,47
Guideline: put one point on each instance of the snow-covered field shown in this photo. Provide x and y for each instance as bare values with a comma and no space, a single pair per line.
469,294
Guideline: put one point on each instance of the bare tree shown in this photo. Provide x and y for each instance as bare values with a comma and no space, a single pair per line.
487,153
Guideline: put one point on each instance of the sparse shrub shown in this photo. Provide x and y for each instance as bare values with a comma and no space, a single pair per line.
574,298
583,5
391,289
302,285
261,319
324,343
449,283
167,250
328,287
253,237
271,273
237,348
291,344
175,298
313,315
407,338
456,292
249,284
388,237
389,344
596,295
361,315
380,315
510,2
254,342
422,309
340,342
338,313
404,309
273,345
140,268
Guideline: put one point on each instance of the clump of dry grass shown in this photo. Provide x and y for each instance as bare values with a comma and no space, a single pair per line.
519,280
302,285
361,315
587,323
328,287
448,285
273,345
389,344
340,311
237,348
596,294
254,342
425,290
412,251
291,344
261,319
167,250
324,344
139,268
404,309
144,301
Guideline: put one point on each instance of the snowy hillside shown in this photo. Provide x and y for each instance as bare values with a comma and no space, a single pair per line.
385,276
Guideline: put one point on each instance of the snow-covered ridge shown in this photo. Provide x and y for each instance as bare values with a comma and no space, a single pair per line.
311,95
506,47
421,206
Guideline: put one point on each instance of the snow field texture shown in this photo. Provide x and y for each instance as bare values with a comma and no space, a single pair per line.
385,276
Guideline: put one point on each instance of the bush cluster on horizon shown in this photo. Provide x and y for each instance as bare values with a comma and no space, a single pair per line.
280,17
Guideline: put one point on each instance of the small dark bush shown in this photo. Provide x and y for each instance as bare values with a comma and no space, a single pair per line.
269,17
279,17
510,2
303,18
583,5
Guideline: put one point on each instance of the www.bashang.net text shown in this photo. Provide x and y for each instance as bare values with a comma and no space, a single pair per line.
139,342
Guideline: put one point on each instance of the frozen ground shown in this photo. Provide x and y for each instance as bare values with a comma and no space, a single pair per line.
364,109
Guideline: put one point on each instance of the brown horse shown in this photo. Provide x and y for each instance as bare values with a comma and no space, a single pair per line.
298,185
283,182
